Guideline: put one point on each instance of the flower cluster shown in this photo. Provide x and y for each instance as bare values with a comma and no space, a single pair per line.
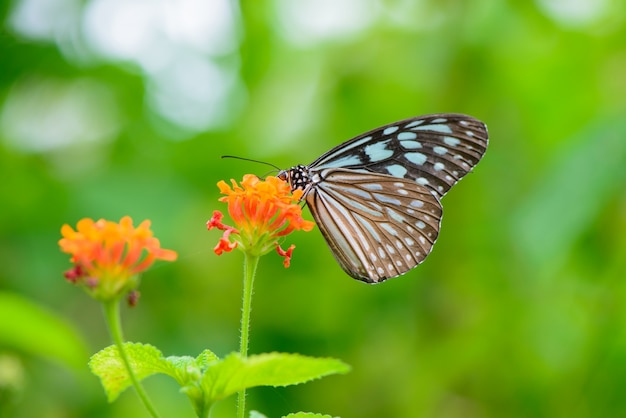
263,211
108,256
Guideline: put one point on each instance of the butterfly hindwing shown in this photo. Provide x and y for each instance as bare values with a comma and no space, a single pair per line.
377,226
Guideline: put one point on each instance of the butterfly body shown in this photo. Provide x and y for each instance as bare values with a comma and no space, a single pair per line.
376,198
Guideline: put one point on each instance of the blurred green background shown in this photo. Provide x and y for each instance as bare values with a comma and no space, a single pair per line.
124,107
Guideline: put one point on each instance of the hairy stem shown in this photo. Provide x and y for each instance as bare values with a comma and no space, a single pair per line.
112,314
249,271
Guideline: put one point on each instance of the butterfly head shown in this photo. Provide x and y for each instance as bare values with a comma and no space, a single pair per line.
297,177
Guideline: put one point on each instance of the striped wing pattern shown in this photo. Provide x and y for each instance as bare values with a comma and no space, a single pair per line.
376,198
377,226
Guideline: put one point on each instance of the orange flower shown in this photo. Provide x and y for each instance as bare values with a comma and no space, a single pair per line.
263,212
108,256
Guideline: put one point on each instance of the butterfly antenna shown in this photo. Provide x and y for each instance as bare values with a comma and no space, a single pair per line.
251,160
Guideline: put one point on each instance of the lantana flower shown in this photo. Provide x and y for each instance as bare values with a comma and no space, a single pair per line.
264,211
108,256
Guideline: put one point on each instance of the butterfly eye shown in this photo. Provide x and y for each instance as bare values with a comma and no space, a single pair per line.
284,176
376,198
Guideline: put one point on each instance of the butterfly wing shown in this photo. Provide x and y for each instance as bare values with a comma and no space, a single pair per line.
376,225
434,151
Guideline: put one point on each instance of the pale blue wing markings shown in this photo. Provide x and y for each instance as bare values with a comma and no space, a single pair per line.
389,130
414,123
452,141
386,199
368,225
406,135
411,144
397,170
343,194
346,161
373,245
389,228
444,129
435,142
378,151
373,186
329,156
440,150
416,157
347,190
395,215
341,237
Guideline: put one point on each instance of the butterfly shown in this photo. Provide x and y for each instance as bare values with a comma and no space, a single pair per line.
376,198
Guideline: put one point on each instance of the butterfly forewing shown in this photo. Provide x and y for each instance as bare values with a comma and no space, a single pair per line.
435,151
377,226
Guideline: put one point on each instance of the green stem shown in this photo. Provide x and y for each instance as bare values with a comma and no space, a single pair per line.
112,314
249,270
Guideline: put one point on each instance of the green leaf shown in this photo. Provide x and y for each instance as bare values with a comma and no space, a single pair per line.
235,373
206,379
187,370
39,332
307,415
145,360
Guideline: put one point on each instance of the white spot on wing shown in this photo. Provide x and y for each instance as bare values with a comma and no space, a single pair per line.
453,142
406,135
389,229
444,129
439,166
396,170
390,130
411,144
378,151
373,186
386,199
415,123
415,157
344,161
396,216
440,150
